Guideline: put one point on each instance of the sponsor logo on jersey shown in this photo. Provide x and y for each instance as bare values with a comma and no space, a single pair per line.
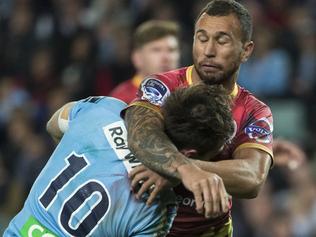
185,201
260,130
154,91
32,228
116,135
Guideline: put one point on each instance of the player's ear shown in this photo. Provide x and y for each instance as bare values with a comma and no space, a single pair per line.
247,50
189,152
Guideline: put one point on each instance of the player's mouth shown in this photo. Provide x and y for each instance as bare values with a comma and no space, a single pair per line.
210,67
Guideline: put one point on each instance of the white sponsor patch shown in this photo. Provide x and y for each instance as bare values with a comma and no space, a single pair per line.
116,135
260,130
154,91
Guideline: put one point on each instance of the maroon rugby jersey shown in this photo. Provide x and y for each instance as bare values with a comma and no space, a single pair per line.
253,130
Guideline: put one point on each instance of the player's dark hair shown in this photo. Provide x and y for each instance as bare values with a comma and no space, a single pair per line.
154,30
199,117
227,7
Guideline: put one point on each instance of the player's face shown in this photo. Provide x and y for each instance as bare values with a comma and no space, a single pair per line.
217,48
192,153
158,56
211,154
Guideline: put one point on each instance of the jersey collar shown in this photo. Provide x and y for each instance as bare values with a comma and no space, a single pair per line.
234,92
188,75
136,80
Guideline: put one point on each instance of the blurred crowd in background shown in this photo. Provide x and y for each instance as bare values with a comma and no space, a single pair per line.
55,51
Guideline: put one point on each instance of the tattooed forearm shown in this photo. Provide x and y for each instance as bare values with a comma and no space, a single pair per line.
149,143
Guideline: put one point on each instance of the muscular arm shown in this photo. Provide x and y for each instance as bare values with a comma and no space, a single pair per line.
149,143
244,175
153,148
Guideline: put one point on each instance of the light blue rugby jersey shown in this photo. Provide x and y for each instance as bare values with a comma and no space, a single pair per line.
84,189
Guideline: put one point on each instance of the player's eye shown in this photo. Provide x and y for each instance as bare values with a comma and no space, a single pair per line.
223,40
202,38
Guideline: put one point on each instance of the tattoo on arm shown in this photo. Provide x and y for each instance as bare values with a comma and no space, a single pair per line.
149,143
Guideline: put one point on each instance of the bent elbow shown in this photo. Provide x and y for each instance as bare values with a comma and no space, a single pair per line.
253,193
255,187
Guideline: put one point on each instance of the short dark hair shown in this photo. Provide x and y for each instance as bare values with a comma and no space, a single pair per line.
199,117
154,30
227,7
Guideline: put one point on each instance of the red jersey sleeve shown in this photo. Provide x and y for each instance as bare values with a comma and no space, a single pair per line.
255,125
154,89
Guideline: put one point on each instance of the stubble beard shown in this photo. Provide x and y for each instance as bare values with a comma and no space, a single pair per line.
217,78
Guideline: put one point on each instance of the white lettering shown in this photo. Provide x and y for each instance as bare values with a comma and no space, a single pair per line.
185,201
38,228
116,135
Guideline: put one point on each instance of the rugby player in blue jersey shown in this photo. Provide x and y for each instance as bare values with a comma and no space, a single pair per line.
84,188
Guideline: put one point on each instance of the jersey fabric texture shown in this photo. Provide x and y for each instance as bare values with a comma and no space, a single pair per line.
84,188
254,126
127,90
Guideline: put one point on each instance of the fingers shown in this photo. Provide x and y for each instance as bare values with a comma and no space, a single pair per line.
148,185
144,180
210,197
224,201
198,197
153,194
138,175
207,198
136,170
137,180
215,197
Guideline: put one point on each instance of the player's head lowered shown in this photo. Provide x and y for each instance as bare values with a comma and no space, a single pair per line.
198,119
156,47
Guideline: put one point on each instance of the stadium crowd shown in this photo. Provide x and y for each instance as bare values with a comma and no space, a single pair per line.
55,51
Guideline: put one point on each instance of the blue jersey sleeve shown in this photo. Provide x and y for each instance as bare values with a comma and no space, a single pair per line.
109,103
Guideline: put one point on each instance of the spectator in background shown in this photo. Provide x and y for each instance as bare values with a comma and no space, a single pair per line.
78,76
267,72
41,74
17,42
4,181
156,49
4,185
289,210
113,54
302,25
12,96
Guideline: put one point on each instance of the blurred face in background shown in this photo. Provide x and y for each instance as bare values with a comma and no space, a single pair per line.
157,56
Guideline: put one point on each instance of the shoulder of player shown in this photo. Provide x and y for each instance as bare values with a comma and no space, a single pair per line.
122,87
250,101
170,78
179,73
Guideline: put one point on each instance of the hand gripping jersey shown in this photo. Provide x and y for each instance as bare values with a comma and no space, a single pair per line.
253,129
84,189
